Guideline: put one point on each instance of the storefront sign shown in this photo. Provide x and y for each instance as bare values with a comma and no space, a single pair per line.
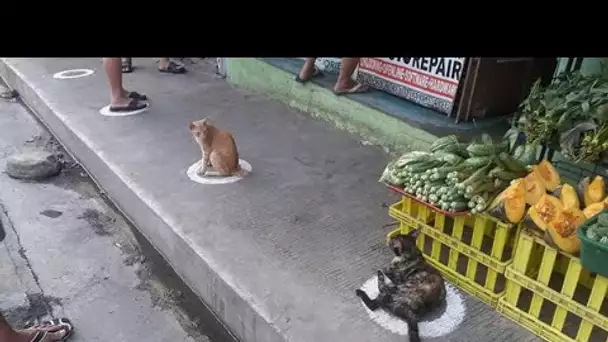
428,81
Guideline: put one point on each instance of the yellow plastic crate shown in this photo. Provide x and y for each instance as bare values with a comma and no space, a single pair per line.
549,293
471,251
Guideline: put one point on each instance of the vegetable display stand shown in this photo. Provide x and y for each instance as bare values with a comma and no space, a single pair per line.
552,295
471,251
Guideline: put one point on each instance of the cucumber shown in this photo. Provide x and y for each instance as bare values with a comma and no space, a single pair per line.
421,167
479,150
442,143
479,174
511,164
500,173
479,187
414,157
477,162
449,158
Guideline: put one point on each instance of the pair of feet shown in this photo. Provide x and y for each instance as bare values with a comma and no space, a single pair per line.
129,101
164,65
349,86
56,330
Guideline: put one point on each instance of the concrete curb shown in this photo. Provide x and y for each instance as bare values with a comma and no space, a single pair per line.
234,308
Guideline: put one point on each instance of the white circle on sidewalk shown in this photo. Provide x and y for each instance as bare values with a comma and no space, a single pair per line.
212,177
440,323
106,111
73,73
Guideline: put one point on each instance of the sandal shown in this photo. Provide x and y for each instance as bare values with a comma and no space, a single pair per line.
127,65
173,68
358,88
137,96
131,107
315,73
61,323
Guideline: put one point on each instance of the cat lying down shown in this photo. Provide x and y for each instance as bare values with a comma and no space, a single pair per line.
218,149
415,288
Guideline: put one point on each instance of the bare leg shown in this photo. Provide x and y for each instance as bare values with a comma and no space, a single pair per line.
113,68
120,96
307,69
7,334
345,81
163,62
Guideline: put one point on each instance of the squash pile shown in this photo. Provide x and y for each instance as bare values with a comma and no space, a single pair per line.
555,209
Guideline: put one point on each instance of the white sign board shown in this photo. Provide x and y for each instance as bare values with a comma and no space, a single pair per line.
428,81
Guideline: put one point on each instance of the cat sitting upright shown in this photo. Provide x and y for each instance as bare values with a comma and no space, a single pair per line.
218,148
415,288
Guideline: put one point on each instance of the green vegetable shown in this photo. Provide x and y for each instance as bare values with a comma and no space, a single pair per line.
442,143
477,162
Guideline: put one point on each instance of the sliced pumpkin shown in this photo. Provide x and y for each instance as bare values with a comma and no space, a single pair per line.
568,195
535,188
534,220
544,211
510,205
561,231
594,209
592,191
597,189
548,175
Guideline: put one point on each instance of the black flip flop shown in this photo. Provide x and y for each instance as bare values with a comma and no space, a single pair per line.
315,73
132,106
137,96
127,65
173,68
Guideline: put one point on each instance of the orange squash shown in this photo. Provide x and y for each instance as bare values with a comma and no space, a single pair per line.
568,195
534,188
561,231
548,175
544,211
510,205
594,209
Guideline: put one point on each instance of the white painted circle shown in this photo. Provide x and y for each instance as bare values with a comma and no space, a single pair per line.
452,316
212,177
106,111
73,73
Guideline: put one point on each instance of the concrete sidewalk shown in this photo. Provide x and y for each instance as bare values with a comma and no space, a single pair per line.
277,255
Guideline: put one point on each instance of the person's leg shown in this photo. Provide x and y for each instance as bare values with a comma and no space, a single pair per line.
308,70
53,333
345,83
165,64
121,99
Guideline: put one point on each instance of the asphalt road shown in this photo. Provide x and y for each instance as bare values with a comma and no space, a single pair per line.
68,252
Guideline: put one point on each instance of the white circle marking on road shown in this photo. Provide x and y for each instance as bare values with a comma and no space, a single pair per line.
106,111
73,73
449,320
212,176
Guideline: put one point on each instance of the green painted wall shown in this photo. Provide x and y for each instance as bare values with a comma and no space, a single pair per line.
372,126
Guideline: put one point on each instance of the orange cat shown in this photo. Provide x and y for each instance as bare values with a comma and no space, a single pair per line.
218,148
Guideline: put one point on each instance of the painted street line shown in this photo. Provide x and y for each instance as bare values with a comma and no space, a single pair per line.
212,177
106,111
440,323
73,73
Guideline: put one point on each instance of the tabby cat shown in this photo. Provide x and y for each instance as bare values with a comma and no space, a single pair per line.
415,288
